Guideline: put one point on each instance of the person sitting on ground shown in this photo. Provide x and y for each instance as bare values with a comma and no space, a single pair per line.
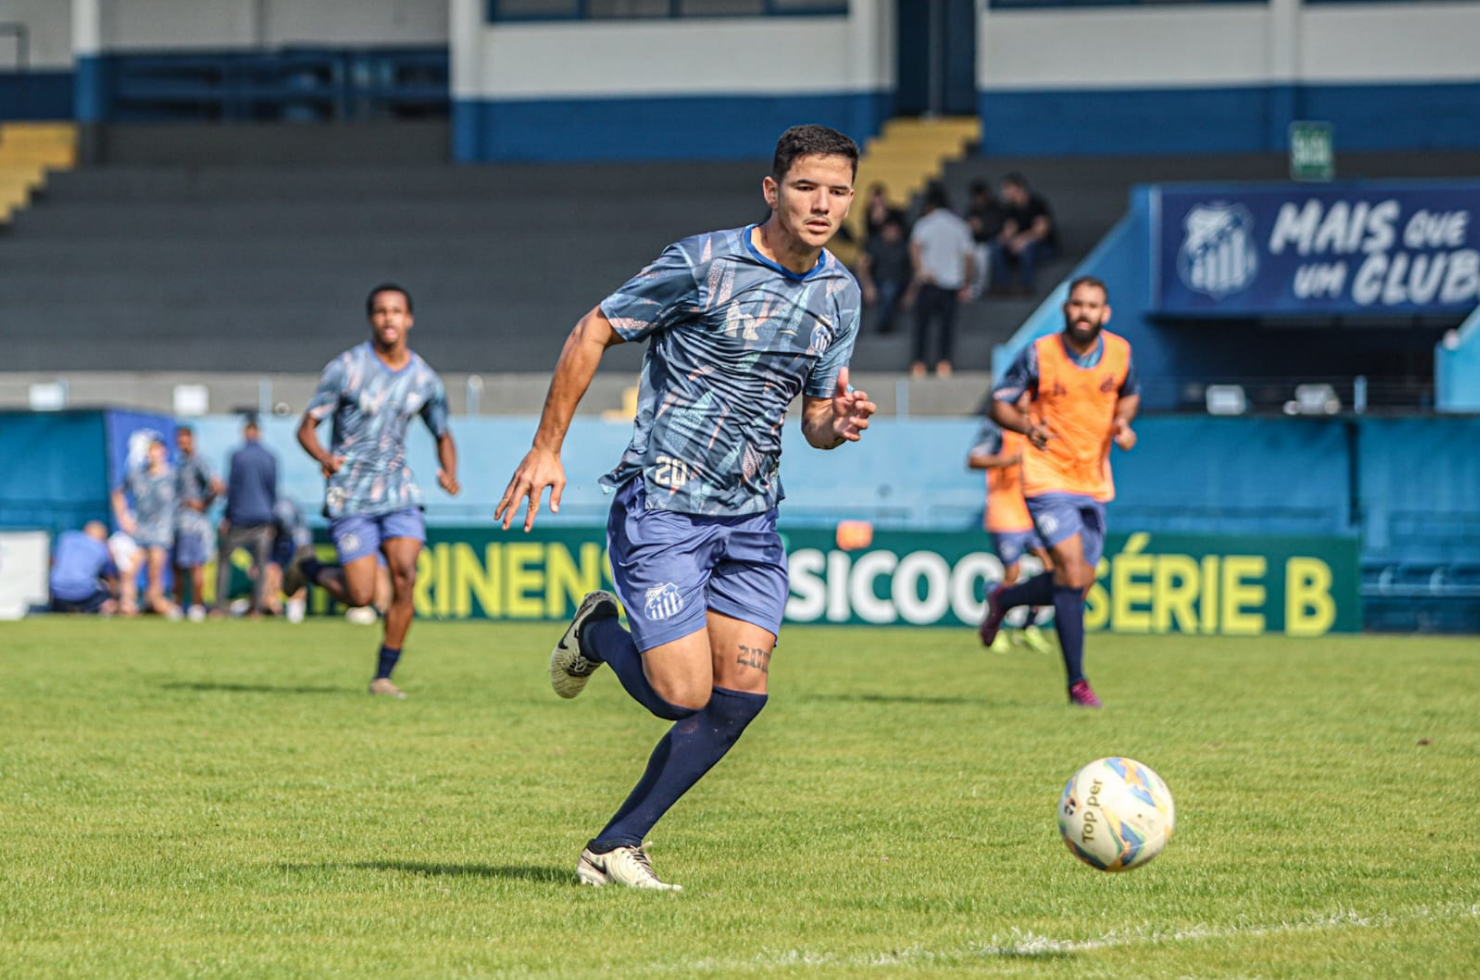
84,578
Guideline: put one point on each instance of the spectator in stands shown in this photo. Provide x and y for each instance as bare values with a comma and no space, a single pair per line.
196,487
885,271
986,218
877,212
1027,237
84,578
1084,392
374,391
151,522
251,494
940,251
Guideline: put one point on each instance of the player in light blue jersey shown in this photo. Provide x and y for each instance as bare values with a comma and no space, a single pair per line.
373,391
738,323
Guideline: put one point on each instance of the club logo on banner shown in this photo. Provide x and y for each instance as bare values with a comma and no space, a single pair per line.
1377,248
1218,256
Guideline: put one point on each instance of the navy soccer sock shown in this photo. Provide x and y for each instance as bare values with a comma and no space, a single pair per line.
1068,609
689,750
1037,591
607,641
388,658
311,567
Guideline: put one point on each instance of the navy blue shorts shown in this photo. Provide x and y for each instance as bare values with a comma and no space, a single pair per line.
192,547
670,568
358,535
1012,545
1060,516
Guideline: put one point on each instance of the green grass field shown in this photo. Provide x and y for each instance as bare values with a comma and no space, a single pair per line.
223,800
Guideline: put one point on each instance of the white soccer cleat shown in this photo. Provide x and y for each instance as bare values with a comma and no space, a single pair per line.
628,866
569,670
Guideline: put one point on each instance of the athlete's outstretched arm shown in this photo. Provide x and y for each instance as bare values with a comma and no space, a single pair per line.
541,466
829,422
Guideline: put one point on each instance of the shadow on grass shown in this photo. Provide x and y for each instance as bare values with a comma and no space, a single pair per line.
249,688
892,699
513,872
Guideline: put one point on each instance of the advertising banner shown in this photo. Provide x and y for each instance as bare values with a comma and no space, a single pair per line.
1358,249
1146,584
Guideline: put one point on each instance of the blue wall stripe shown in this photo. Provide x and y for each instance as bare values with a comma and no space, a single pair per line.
699,128
36,95
1227,120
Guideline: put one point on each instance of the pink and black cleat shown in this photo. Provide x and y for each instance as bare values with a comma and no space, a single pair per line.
1081,695
992,622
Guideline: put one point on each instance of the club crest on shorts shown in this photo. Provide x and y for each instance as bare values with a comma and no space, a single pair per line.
348,542
662,601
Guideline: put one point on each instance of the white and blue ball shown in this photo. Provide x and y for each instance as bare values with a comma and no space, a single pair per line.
1115,814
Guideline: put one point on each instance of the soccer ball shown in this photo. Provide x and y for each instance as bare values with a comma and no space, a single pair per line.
1116,814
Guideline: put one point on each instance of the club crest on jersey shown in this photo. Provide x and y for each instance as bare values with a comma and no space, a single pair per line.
1218,256
822,336
662,601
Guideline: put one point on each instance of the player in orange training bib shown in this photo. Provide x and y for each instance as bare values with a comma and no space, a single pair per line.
1084,394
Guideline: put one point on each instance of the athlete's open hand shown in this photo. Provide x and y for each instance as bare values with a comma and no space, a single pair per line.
1123,434
850,410
539,469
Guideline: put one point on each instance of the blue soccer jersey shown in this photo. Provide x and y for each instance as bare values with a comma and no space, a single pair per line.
154,506
193,485
732,339
373,406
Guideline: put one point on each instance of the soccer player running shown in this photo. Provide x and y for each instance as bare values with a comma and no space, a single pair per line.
1084,394
738,322
373,391
1000,452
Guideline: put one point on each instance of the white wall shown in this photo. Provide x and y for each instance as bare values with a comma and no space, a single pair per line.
1216,45
134,25
784,56
1400,42
50,28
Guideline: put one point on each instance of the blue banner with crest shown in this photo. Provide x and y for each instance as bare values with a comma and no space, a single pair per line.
1369,249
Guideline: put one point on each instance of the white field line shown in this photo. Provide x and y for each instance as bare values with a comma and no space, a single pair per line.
1022,943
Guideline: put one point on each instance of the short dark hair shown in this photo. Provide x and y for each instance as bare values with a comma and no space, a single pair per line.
189,430
979,186
936,197
1094,281
387,287
1015,179
811,140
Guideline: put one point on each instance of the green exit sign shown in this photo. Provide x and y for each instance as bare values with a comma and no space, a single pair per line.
1311,155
